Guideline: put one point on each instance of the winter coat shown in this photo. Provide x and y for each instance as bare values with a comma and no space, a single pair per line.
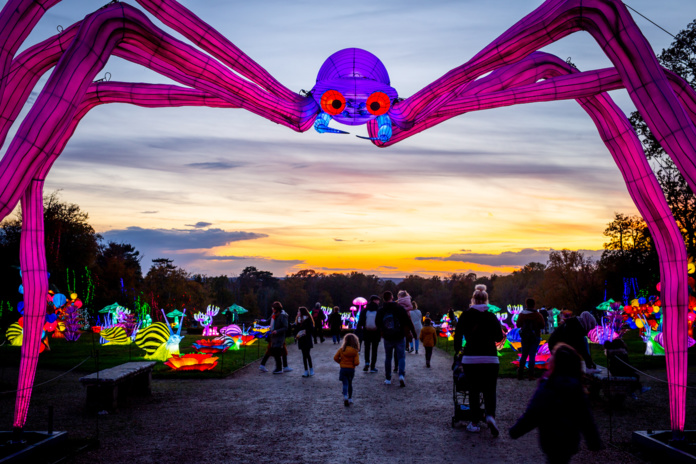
305,342
280,326
400,313
428,336
481,330
533,320
561,411
348,358
335,322
571,333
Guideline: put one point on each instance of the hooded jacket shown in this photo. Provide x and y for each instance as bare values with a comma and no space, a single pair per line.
481,330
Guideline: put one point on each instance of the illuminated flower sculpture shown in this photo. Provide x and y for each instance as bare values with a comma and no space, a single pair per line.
192,362
352,87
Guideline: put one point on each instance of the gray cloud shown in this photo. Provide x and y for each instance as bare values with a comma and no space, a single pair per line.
177,239
214,165
200,224
507,258
149,212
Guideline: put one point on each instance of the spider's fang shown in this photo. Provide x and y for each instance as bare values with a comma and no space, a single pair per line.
321,125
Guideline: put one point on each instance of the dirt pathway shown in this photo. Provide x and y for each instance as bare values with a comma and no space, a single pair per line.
253,416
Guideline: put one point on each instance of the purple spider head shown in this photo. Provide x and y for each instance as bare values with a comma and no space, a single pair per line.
353,88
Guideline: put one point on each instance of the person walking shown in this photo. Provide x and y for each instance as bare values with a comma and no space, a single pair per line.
573,332
280,328
335,324
406,302
319,318
560,409
367,324
305,331
428,335
393,323
530,322
348,358
482,331
417,319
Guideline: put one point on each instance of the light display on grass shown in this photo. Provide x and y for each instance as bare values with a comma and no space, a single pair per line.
158,340
215,345
506,72
206,320
192,362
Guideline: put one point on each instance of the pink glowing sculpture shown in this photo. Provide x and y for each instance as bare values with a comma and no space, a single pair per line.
206,320
352,88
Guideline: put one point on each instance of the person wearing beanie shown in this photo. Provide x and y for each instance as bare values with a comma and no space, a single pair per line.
573,332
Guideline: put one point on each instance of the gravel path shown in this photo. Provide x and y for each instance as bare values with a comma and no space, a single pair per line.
254,416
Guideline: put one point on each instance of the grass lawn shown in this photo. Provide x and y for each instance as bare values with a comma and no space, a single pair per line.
636,350
65,355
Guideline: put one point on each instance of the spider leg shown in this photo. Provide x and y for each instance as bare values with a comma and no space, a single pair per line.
182,20
17,19
611,25
121,29
621,140
25,71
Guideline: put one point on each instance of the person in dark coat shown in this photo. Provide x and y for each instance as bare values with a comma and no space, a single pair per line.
531,323
319,318
393,323
277,338
367,325
560,410
481,330
335,324
305,330
573,332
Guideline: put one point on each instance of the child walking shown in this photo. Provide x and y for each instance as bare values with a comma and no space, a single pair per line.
428,337
560,410
348,358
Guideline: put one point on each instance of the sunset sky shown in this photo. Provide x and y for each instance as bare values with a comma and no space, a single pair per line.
217,190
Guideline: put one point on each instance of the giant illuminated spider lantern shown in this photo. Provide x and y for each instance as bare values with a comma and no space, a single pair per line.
352,88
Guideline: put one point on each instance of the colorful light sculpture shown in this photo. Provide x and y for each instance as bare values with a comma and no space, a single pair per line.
192,362
212,346
158,340
508,71
206,320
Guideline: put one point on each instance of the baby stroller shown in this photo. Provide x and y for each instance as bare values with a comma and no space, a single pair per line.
460,394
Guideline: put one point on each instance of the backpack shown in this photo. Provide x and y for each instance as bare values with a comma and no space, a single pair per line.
392,325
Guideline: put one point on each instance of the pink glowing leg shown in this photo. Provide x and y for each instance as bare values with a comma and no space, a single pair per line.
100,33
17,19
643,187
182,20
32,259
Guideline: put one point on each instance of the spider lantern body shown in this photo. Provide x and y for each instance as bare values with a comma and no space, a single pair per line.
353,88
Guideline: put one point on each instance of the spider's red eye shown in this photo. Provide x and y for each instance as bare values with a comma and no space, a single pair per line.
332,102
378,103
